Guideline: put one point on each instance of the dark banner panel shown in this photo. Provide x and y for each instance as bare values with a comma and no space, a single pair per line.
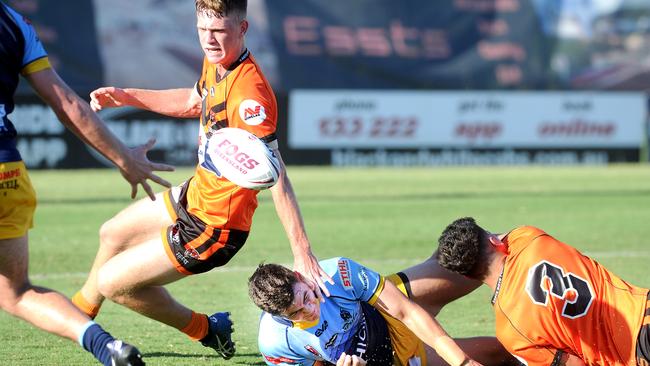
462,44
372,44
447,44
45,143
67,30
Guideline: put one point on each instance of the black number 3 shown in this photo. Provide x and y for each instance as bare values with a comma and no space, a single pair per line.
560,287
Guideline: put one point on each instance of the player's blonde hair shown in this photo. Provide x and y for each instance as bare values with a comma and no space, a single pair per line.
223,8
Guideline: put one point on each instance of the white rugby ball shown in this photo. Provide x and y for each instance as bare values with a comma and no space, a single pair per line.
242,158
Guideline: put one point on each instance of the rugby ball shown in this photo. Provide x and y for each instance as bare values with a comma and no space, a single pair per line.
242,158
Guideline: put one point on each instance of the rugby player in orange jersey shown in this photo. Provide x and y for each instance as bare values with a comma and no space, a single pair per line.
204,222
553,305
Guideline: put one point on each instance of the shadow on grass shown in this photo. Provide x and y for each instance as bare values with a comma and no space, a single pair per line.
150,355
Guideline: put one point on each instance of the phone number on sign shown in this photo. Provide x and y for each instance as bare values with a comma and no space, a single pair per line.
377,127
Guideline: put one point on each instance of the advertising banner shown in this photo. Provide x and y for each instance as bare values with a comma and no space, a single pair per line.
453,119
45,143
361,44
462,44
446,44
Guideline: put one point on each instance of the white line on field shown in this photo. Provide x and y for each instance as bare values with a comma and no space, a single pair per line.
370,262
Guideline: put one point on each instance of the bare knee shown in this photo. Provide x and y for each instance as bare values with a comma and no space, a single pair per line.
111,238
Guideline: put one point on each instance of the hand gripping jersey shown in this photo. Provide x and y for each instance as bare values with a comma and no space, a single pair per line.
551,297
21,52
244,99
342,326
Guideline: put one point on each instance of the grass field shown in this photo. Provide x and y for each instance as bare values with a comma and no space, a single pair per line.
387,219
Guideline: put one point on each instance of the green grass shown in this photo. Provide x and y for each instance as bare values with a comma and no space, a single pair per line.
388,219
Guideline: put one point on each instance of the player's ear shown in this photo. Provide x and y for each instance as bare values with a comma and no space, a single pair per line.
244,26
307,282
497,243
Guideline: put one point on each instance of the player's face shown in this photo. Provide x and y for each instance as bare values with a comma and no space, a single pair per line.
222,38
305,306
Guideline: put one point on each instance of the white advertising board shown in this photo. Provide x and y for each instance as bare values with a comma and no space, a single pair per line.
334,119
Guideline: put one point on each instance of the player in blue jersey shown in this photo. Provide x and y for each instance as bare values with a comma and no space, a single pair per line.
366,319
21,53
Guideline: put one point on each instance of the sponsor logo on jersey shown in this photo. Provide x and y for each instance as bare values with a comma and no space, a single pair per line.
279,360
181,259
345,315
191,252
313,351
347,319
363,277
332,341
344,274
320,330
176,239
9,184
252,112
362,341
14,173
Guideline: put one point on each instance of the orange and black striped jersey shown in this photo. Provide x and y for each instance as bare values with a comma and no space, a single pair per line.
244,99
551,297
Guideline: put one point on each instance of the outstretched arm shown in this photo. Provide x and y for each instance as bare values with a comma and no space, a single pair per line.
180,103
77,116
286,205
423,325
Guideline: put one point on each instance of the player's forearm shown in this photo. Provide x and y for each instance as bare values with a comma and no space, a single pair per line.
171,102
77,116
286,206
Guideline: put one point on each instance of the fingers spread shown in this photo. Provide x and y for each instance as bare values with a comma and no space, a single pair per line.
159,180
149,144
322,289
327,277
134,190
162,167
147,188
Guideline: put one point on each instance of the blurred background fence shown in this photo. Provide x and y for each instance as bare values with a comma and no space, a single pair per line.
371,82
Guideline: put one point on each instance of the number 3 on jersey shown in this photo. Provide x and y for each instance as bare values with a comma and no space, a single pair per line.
546,279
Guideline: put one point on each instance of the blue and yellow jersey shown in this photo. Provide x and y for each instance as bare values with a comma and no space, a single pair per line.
21,52
341,321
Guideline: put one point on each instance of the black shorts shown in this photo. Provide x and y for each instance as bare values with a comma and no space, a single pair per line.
372,341
194,247
643,340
